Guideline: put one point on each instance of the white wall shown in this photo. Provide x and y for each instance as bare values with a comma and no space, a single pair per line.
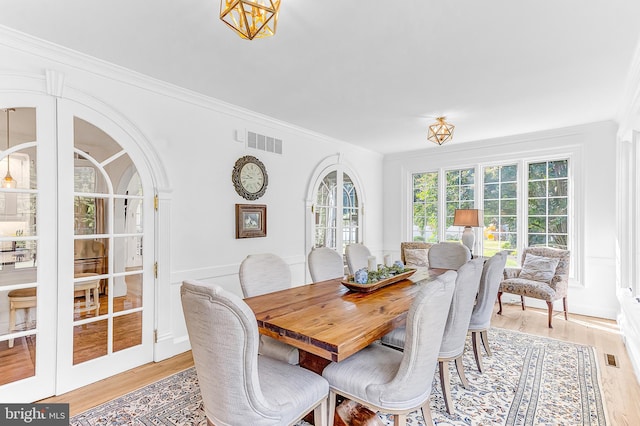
192,139
592,151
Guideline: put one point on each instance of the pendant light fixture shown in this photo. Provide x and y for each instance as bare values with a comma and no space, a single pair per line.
250,18
8,181
440,131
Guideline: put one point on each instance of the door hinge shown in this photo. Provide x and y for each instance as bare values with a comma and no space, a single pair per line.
155,202
155,270
313,208
155,336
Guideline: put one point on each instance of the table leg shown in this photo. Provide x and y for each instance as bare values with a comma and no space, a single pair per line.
348,413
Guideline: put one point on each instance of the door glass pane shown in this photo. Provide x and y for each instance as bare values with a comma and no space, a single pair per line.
129,294
127,254
89,341
128,215
90,256
87,177
123,174
129,331
90,215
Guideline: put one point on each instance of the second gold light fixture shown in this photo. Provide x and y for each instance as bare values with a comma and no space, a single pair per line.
250,18
440,131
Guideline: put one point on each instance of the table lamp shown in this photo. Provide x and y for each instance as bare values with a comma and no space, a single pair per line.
468,218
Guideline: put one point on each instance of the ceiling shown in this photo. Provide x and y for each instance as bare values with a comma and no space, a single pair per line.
375,74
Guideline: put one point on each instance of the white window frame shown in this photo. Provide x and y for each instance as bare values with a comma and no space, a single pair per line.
576,224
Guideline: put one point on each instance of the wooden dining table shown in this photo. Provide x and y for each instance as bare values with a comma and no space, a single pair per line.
328,322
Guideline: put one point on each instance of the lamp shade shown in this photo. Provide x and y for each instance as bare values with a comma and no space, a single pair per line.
467,217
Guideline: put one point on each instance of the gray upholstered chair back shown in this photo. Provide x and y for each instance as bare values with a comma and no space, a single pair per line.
489,283
263,273
455,331
424,330
448,255
224,340
357,257
325,263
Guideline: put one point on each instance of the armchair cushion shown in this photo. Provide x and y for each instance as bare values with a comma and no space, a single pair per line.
529,288
416,257
538,268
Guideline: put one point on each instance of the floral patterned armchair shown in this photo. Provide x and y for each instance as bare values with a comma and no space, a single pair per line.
545,276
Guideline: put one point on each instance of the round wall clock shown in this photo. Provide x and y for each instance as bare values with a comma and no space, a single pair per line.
249,177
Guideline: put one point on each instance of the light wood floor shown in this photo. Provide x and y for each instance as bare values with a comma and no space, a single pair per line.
620,387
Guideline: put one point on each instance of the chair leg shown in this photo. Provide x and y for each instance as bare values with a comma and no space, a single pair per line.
332,408
12,322
477,353
320,413
500,302
426,414
460,369
564,305
485,342
445,383
400,420
550,308
522,302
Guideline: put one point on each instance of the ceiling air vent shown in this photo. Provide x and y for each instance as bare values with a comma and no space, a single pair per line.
264,143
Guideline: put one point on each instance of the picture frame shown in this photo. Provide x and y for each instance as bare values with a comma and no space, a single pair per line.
251,220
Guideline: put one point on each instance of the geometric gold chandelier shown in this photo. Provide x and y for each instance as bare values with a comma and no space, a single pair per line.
250,18
440,131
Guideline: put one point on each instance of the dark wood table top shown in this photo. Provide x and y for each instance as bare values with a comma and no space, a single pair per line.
329,320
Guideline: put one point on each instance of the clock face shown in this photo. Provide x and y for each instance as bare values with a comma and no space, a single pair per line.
249,177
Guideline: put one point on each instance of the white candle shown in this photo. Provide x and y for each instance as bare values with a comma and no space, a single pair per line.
372,263
387,260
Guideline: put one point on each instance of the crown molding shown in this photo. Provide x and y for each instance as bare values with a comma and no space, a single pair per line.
66,57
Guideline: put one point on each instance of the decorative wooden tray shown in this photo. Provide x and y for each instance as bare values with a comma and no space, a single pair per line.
366,288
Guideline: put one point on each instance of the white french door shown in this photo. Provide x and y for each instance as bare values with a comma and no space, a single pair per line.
76,249
28,284
105,224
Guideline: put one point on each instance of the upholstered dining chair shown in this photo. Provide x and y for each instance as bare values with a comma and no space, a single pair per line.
414,254
455,332
238,386
394,382
544,274
485,301
324,264
357,257
265,273
448,255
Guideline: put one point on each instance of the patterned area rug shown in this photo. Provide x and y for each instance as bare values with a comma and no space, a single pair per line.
529,380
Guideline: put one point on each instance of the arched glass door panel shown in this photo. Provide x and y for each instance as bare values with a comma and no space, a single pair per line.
108,276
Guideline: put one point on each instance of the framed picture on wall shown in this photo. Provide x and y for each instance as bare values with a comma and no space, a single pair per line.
251,220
